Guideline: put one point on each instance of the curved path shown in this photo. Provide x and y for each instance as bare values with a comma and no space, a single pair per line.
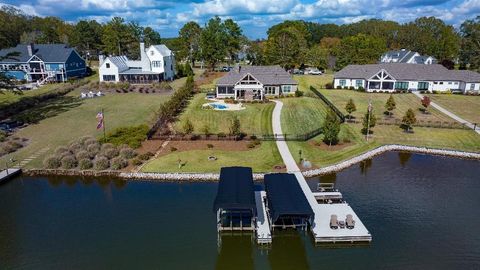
449,114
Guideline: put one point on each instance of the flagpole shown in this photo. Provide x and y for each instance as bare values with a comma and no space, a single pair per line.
104,136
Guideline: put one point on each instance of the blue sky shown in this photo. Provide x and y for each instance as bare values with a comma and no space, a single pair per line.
254,16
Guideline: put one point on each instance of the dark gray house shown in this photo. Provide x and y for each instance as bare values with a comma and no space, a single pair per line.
407,57
389,77
255,82
43,62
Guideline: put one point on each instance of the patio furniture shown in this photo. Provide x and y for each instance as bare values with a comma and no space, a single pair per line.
333,222
341,224
350,222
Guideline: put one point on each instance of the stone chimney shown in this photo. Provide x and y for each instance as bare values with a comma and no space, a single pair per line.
30,49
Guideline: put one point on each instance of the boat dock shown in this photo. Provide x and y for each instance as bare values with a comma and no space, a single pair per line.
264,235
8,174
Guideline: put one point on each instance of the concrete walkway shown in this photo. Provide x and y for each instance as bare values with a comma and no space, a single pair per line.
449,114
281,144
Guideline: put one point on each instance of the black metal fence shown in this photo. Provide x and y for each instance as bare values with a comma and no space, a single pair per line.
329,103
419,123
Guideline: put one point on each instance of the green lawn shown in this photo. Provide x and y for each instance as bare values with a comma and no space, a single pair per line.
261,159
301,115
255,119
403,103
317,81
466,107
454,139
76,118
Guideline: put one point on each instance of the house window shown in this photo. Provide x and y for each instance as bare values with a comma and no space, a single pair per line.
109,78
422,86
287,88
343,83
230,90
472,86
401,85
441,82
359,83
222,89
270,90
107,65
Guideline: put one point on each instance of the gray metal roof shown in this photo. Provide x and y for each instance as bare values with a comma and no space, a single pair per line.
267,75
50,53
403,71
164,51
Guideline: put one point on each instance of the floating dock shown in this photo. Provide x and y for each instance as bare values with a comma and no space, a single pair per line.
320,228
8,174
264,235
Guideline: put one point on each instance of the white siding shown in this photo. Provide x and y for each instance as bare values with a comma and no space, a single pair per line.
112,70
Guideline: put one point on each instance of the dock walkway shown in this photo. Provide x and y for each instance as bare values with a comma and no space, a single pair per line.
264,235
7,174
321,225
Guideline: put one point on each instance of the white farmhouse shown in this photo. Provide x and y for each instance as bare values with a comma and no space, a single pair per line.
157,63
390,77
407,57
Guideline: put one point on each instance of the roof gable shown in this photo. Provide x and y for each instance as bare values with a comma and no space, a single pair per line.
50,53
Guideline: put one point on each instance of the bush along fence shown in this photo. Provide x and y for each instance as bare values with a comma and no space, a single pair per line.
229,137
419,123
329,103
172,108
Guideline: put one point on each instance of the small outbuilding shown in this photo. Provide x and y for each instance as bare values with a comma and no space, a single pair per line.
287,205
235,201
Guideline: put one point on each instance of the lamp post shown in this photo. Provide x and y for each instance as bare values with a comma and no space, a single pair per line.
300,153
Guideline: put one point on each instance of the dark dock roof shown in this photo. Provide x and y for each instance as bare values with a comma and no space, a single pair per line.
235,190
285,197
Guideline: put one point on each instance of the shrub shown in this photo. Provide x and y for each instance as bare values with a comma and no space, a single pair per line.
106,146
52,162
75,147
85,164
132,136
110,152
361,89
298,93
82,155
60,150
136,162
69,162
209,145
83,140
339,87
173,149
329,85
146,156
251,145
351,88
221,135
119,163
127,153
101,163
257,142
90,141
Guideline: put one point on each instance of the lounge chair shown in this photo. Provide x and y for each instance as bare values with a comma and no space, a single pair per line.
350,222
333,222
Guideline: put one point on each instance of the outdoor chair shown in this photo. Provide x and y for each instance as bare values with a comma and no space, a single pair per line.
333,222
350,222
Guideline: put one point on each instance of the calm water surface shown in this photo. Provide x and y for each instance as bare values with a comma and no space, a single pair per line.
421,210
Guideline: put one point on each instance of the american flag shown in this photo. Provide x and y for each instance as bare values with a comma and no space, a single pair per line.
99,120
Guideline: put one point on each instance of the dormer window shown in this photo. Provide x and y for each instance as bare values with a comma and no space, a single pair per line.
107,65
152,52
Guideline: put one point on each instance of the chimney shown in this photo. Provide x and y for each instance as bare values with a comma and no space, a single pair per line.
144,58
101,58
30,49
239,69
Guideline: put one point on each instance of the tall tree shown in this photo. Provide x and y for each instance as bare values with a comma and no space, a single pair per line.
390,105
233,35
359,49
213,42
350,108
318,57
13,23
470,48
151,37
286,47
87,36
255,53
189,36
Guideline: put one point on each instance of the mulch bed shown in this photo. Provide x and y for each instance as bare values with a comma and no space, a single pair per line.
202,145
208,77
324,146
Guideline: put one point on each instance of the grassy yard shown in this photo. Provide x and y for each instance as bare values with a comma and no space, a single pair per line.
429,137
467,107
70,117
317,81
403,102
255,119
261,159
301,115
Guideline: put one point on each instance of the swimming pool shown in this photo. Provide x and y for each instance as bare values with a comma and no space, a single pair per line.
218,106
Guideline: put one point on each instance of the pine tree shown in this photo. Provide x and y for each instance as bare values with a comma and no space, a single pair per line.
350,108
235,126
408,120
188,127
390,105
331,128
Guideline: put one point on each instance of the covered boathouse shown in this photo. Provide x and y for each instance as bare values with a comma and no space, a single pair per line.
286,203
235,201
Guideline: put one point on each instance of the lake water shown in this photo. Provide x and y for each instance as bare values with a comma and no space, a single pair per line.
422,211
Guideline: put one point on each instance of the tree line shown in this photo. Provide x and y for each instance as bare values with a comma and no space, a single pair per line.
289,43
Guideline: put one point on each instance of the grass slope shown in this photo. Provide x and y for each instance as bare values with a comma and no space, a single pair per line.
255,119
467,107
301,115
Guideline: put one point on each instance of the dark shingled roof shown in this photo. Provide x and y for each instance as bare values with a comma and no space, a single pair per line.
235,190
267,75
285,197
402,71
51,53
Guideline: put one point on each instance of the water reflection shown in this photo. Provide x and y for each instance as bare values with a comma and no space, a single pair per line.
365,166
55,181
104,182
288,251
404,157
236,252
328,178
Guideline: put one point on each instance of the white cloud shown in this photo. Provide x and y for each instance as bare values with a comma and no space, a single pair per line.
232,7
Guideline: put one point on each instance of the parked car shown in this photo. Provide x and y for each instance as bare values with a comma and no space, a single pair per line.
226,69
298,72
315,71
